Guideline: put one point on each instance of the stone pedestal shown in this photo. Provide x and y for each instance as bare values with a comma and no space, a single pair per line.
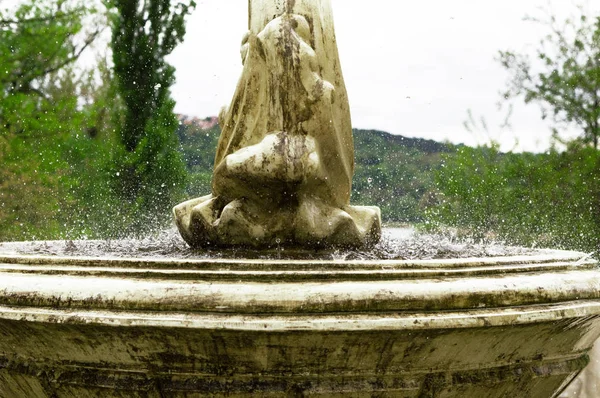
493,327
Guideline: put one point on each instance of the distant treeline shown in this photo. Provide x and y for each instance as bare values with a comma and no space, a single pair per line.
391,171
549,199
97,152
60,190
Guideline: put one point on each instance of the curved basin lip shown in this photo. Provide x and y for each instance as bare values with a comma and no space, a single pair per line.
544,256
339,322
238,296
323,274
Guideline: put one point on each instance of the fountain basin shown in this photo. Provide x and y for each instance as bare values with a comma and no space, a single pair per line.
126,327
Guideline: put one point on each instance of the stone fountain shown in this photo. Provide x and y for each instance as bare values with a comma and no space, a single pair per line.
89,326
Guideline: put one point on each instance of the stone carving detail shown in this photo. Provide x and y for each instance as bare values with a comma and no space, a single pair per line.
285,159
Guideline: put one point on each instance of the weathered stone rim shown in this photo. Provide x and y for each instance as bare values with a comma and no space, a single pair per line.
241,287
544,256
475,318
384,273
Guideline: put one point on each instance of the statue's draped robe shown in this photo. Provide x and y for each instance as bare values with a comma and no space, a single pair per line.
285,158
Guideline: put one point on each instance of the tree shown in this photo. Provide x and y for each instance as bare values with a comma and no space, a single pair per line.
42,126
149,170
528,199
39,40
565,76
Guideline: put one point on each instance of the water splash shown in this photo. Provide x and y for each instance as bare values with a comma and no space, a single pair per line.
396,243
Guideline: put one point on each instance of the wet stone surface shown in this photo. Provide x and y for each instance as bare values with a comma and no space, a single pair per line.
396,243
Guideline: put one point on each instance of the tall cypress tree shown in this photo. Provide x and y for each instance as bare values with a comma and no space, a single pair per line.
149,171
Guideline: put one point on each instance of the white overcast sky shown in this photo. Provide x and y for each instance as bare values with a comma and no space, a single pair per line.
411,67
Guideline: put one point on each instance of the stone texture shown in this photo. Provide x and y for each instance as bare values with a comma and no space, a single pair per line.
126,327
285,158
587,384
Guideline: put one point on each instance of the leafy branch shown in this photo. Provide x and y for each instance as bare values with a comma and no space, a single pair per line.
564,76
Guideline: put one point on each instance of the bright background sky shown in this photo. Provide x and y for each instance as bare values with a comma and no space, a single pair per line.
411,67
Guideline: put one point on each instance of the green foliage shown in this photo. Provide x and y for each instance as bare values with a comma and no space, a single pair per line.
470,181
149,172
547,200
538,199
35,44
564,76
394,173
44,146
198,147
54,182
39,39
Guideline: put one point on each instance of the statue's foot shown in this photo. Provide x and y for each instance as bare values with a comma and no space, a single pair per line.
207,222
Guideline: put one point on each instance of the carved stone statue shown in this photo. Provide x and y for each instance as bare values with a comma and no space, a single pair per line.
285,159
